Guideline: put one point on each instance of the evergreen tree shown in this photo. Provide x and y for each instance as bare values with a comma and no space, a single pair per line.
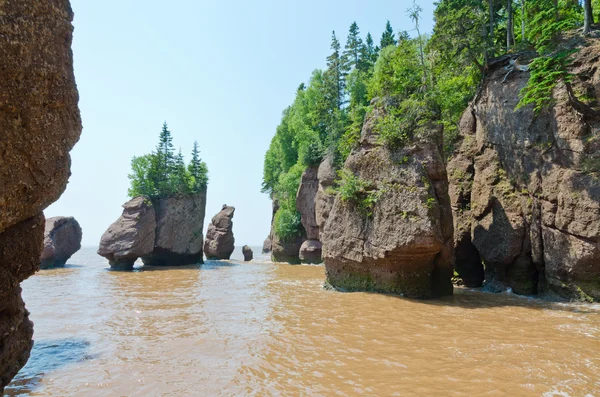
369,53
334,75
165,154
387,38
198,170
353,49
180,178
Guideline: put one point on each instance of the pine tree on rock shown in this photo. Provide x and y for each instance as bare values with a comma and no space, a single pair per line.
387,38
165,158
335,75
198,171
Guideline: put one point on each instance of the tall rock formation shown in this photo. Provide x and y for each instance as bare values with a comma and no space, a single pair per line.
131,236
310,251
62,238
166,232
220,242
39,124
404,244
283,251
525,187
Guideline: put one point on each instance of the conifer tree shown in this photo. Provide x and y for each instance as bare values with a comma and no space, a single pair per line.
165,157
369,53
387,38
334,75
198,170
352,51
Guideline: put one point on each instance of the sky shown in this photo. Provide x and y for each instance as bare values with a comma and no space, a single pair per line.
219,72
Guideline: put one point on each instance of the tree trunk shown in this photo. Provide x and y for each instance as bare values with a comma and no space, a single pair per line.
588,19
491,38
522,20
510,26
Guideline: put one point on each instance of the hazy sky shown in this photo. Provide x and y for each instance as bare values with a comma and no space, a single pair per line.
220,72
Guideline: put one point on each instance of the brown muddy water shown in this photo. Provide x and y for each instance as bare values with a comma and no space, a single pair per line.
264,329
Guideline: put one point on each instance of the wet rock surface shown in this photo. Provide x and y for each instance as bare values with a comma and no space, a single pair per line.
525,189
220,242
403,244
62,238
310,252
39,124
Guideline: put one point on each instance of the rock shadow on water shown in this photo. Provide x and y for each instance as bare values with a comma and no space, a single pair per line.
46,357
212,264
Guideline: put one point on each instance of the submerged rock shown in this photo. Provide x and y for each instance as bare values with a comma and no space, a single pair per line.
220,242
402,243
131,236
525,188
310,252
248,254
62,238
39,125
179,231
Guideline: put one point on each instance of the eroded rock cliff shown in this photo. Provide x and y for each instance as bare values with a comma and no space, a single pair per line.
39,124
310,251
525,187
404,243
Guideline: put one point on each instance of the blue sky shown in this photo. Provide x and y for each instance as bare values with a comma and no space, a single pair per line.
220,72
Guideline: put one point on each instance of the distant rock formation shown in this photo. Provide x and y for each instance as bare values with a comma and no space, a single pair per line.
62,238
525,187
248,254
220,242
404,243
39,125
310,251
131,236
167,232
266,249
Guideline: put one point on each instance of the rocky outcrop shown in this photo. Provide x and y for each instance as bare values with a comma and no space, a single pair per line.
166,232
284,251
179,231
62,238
267,246
525,187
248,254
325,196
131,236
219,242
395,236
305,204
311,251
39,124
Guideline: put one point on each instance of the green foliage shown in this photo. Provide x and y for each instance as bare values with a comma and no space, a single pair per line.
387,38
357,191
163,173
546,72
287,224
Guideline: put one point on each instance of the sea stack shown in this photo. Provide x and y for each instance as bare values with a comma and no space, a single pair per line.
62,238
219,242
248,254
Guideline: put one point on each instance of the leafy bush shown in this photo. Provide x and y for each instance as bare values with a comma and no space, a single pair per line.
361,193
287,224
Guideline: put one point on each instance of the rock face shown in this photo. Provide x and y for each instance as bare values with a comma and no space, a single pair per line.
131,236
284,251
525,188
404,244
305,204
219,242
39,124
325,198
310,252
248,254
62,238
167,232
267,246
179,224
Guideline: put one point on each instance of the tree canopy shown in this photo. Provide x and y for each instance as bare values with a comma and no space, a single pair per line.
163,173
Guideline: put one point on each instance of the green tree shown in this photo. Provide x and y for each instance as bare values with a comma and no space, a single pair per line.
353,49
588,19
165,153
198,171
387,38
334,75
